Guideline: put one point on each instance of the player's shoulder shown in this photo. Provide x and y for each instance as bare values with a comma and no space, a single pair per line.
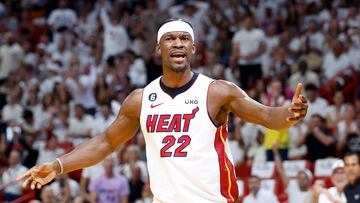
132,104
221,86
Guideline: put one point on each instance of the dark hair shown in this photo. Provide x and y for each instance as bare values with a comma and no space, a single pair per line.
311,86
174,19
27,113
322,119
347,154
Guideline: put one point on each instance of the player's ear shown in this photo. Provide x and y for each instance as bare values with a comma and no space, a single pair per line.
157,48
193,48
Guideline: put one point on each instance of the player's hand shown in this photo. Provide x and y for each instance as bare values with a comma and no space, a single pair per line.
38,176
298,106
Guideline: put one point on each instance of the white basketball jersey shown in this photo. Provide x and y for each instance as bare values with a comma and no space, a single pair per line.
188,157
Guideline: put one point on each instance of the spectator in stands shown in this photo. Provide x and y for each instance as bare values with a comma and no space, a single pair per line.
279,65
351,140
256,151
116,38
352,170
296,149
28,125
109,187
62,20
303,75
347,124
258,195
102,120
298,190
60,124
49,151
320,142
335,112
9,176
336,193
314,35
47,195
132,156
137,70
80,125
64,188
135,183
13,110
336,60
102,91
317,105
11,55
248,47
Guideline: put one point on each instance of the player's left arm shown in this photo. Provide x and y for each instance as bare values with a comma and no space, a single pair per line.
233,99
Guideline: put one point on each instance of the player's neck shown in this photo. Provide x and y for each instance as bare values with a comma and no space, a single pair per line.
175,80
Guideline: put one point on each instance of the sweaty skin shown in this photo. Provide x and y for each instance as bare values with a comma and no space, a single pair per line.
177,50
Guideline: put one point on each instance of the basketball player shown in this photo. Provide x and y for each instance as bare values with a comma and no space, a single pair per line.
183,116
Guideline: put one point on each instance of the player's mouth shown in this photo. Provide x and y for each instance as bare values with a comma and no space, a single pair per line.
178,55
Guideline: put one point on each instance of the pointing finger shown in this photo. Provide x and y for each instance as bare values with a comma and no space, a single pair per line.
25,175
297,91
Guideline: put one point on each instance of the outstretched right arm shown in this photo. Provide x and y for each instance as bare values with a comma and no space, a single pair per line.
94,150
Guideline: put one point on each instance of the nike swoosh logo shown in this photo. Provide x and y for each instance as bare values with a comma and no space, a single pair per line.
153,106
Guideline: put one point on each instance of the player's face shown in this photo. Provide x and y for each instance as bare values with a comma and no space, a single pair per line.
176,49
352,168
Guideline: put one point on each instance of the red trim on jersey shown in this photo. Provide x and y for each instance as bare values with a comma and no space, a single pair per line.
228,186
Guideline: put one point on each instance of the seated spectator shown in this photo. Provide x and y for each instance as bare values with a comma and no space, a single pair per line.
351,141
49,151
256,152
258,195
135,183
28,125
319,141
86,176
335,112
80,125
348,124
64,188
60,124
298,190
336,193
109,187
296,149
15,169
13,110
336,60
102,120
132,156
303,75
316,103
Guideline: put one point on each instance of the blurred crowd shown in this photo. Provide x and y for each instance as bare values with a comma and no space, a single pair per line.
66,66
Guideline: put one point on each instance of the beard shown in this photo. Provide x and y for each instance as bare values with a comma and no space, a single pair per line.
178,69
